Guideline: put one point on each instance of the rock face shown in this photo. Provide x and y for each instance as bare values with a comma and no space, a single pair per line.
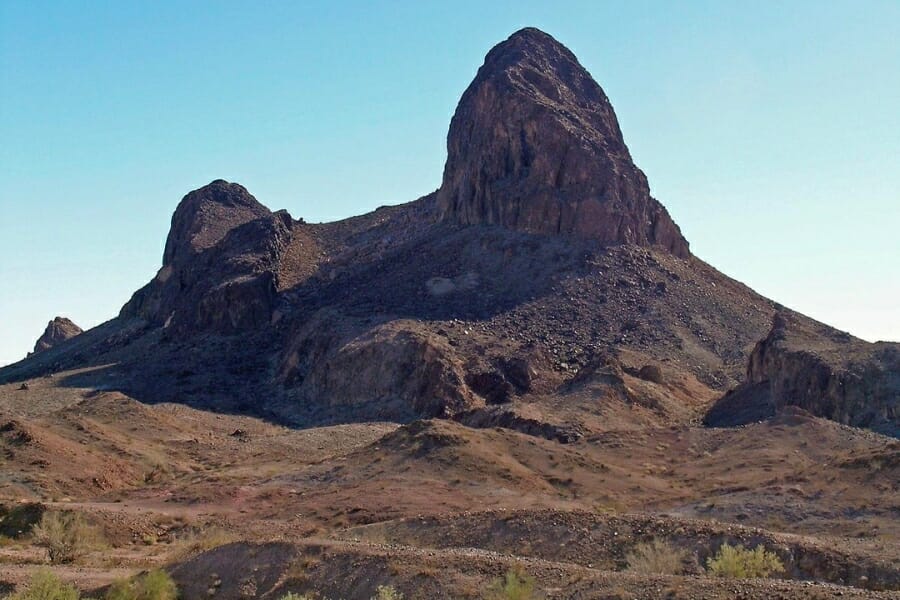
219,265
58,330
392,370
535,146
823,371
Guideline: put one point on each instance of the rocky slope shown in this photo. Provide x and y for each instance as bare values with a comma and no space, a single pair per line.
58,330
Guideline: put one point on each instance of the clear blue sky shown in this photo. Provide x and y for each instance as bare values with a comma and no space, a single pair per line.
770,130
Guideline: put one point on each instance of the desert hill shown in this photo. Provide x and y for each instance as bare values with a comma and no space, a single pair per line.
435,391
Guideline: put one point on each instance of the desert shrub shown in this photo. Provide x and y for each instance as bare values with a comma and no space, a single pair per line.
156,585
738,562
656,557
200,540
65,535
515,585
44,585
296,596
387,592
152,585
120,589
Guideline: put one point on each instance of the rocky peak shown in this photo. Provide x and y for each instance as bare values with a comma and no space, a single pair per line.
58,330
219,265
535,146
205,216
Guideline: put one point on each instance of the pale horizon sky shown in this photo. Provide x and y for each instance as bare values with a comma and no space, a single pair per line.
771,133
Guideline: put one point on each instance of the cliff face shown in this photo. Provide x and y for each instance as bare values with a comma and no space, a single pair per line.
535,146
823,371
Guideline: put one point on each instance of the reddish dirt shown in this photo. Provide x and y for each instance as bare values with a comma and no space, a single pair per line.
406,504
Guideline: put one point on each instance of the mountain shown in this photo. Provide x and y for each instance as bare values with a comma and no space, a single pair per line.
540,272
524,370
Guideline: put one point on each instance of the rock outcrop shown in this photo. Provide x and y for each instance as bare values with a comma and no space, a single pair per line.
535,146
825,372
220,264
58,330
394,370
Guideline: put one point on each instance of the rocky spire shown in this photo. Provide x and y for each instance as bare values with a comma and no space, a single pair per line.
535,146
58,330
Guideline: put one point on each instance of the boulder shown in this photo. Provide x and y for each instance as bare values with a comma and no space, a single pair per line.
394,370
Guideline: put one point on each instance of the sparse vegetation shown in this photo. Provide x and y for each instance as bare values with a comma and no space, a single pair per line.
153,585
296,596
515,585
65,535
738,562
201,540
656,557
44,585
387,592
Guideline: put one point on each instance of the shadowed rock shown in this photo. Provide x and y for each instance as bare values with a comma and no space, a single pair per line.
826,372
219,265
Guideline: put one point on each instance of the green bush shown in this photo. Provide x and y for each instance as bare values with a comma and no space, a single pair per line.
387,592
152,585
65,535
44,585
515,585
656,557
737,562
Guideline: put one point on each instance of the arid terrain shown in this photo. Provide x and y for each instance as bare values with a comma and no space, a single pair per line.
526,370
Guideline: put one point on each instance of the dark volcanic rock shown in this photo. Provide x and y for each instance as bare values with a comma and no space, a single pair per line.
535,146
219,266
58,330
394,370
205,216
565,287
826,372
